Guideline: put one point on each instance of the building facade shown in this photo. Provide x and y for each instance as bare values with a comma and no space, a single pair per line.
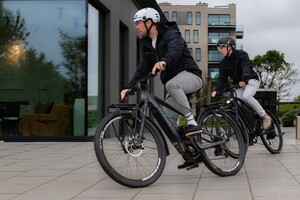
62,63
202,27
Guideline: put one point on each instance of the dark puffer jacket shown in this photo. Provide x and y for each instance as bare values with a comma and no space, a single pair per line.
171,48
237,66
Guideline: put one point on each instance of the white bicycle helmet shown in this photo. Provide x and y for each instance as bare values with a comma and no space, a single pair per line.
147,13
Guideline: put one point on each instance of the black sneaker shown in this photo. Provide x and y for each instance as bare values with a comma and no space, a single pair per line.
190,163
190,130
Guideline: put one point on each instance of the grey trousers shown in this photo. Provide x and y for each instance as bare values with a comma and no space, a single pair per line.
177,88
247,95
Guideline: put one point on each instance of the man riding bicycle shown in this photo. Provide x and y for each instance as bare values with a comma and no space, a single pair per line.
236,65
165,51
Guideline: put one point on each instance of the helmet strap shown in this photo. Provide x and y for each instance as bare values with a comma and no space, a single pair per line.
229,52
148,29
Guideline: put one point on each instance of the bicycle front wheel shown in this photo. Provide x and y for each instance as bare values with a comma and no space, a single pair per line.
226,159
119,156
272,138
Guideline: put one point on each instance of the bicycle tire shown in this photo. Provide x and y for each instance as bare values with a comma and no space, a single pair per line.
242,127
127,165
272,138
226,159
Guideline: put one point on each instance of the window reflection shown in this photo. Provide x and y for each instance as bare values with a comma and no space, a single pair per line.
42,66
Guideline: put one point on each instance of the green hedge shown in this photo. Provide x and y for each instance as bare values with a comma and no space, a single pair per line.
285,107
289,117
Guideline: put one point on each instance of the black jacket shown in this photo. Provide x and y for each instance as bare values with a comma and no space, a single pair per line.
171,48
237,66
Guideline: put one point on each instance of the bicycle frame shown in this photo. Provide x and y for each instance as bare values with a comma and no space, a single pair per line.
247,115
148,100
162,118
155,104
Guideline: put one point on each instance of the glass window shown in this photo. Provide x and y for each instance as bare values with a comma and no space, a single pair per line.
224,20
214,37
195,36
187,36
189,18
43,65
213,20
191,51
166,13
198,18
222,35
219,20
94,69
214,56
198,54
213,72
174,16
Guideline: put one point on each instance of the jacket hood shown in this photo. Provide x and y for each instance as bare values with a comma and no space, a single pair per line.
167,26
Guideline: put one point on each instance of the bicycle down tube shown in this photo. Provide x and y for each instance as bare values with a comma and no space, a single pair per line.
163,120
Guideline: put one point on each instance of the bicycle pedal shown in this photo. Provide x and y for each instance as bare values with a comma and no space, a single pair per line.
192,166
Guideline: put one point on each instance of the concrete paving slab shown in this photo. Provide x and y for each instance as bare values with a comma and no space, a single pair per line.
70,171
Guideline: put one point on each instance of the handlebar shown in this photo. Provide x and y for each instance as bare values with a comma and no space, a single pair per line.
140,84
231,88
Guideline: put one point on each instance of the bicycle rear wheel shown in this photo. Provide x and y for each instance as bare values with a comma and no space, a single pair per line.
226,159
121,159
272,138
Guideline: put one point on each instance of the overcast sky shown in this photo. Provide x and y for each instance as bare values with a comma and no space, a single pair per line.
268,25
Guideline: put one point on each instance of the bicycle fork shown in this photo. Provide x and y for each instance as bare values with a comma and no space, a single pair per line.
141,113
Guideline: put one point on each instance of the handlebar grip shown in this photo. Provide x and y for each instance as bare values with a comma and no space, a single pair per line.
129,92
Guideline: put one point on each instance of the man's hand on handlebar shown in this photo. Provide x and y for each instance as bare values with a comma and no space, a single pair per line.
242,84
214,93
159,66
124,94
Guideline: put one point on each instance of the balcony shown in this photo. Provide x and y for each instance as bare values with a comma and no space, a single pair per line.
228,23
212,41
239,32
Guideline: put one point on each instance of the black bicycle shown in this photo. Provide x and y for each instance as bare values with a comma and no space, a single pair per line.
251,123
131,147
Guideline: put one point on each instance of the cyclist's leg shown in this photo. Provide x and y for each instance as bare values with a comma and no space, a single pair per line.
182,84
247,95
177,88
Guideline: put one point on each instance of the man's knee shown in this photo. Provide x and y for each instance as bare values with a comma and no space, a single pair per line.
247,98
172,85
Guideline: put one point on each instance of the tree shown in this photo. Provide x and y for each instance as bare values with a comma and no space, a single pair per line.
74,52
12,40
274,72
22,66
297,99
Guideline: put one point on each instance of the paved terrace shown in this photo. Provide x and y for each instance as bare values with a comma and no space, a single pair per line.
69,170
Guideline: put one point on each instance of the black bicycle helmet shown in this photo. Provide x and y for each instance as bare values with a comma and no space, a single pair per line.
225,42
